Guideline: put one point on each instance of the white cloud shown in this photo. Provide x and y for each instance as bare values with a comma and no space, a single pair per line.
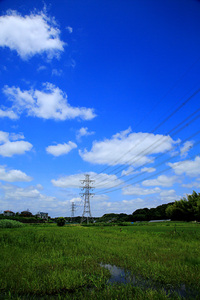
8,113
127,172
189,167
30,35
99,208
8,147
49,103
161,180
13,175
138,190
69,29
169,196
83,132
41,68
74,181
148,170
186,147
76,200
57,72
61,149
194,184
127,148
18,199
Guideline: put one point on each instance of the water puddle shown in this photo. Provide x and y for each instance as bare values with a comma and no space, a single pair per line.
119,275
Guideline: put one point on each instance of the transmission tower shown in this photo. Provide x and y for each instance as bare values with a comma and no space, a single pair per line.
86,194
73,210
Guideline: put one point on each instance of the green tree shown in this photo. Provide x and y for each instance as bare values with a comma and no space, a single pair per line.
60,221
186,209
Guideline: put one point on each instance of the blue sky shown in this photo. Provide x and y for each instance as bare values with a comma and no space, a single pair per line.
105,88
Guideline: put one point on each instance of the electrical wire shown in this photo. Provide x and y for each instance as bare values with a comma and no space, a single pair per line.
156,145
167,93
150,176
192,136
158,126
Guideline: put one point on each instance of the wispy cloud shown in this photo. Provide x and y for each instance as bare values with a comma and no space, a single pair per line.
56,72
129,171
69,29
185,149
148,170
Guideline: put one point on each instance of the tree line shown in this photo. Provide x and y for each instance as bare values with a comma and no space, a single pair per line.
185,209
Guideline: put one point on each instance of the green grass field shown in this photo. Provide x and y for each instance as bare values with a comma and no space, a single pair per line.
51,262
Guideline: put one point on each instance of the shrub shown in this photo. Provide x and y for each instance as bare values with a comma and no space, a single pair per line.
60,221
10,224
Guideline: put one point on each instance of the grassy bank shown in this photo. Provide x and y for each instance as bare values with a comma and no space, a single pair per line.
49,261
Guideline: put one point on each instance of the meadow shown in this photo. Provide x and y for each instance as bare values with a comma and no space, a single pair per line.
50,262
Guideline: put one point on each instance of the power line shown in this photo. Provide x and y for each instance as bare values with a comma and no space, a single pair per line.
158,102
169,90
155,174
156,145
158,126
109,190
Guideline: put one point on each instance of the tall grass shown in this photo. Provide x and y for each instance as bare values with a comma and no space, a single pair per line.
5,223
39,260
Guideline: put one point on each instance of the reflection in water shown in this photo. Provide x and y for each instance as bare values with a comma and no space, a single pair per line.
119,275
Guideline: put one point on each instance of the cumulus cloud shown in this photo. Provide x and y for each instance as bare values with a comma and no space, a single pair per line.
76,200
9,146
161,180
18,193
138,190
20,198
13,175
83,132
74,181
61,149
99,208
127,148
30,35
48,103
188,167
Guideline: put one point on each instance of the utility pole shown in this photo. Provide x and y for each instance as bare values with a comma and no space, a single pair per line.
73,210
86,194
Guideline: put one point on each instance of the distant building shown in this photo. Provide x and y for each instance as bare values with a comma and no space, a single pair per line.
42,215
26,213
8,213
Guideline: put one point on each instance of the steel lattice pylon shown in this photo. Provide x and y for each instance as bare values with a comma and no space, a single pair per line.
73,209
86,194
